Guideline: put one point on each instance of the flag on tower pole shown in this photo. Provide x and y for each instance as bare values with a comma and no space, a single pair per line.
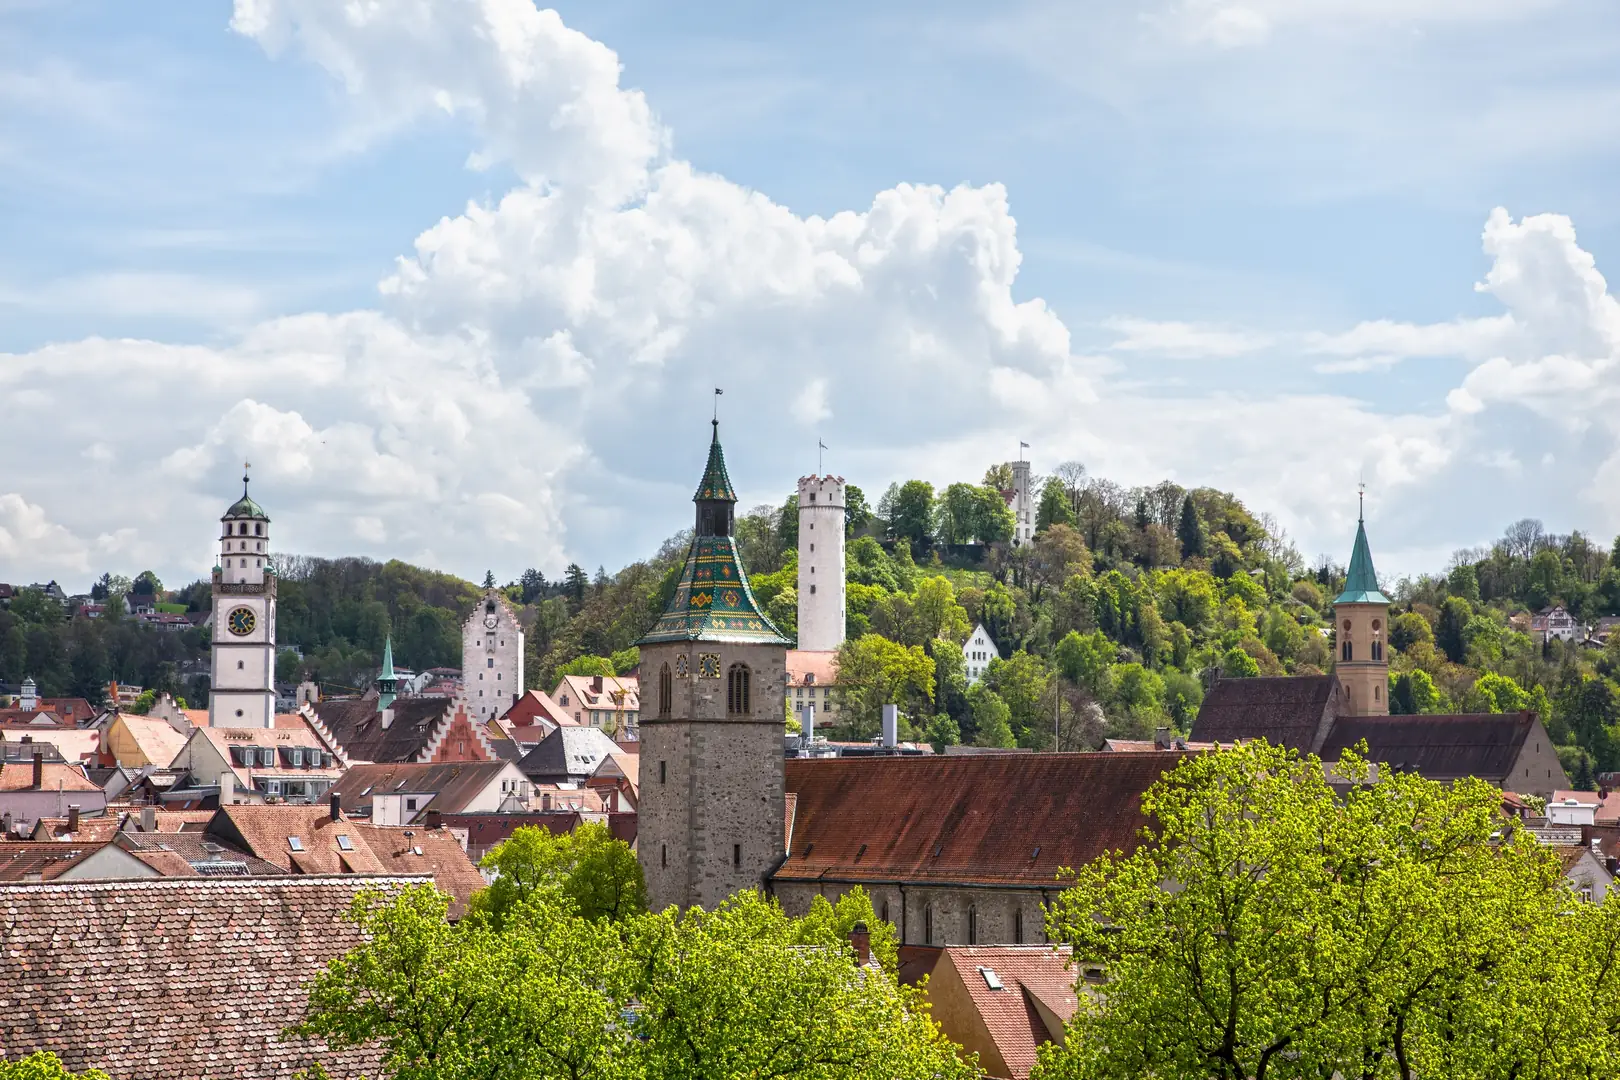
1022,446
717,393
820,449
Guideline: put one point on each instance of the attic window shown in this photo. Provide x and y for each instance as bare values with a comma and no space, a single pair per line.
344,843
937,848
858,854
991,979
295,843
416,851
1035,854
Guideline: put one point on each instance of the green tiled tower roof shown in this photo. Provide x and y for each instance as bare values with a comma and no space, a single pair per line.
715,485
1361,583
246,507
712,600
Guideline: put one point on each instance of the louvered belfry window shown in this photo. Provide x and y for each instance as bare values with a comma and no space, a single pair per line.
737,691
666,691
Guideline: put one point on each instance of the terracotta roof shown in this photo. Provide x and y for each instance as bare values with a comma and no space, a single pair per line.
303,737
198,717
1283,710
33,860
581,693
91,829
484,831
357,724
1608,803
182,978
418,850
74,744
453,784
1034,1000
1132,746
807,668
19,776
1437,747
170,821
196,853
1008,819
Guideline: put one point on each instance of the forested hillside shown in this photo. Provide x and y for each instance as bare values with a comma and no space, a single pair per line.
1128,603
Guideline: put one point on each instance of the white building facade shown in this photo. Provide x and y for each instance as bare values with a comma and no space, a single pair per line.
1023,504
821,563
977,652
491,657
242,692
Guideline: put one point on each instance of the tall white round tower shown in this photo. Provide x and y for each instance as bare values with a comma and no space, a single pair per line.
821,563
243,689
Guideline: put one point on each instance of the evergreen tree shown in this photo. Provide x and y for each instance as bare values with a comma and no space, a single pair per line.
1190,530
489,579
574,585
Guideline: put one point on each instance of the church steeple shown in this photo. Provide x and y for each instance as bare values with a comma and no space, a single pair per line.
1361,581
387,683
1361,618
716,500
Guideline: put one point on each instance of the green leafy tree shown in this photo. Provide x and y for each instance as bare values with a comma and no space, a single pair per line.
1085,659
911,513
943,731
1494,693
1408,629
1412,693
1022,682
1190,530
44,1065
1055,507
587,665
1237,664
596,873
1463,582
1448,635
1398,930
992,719
874,671
857,514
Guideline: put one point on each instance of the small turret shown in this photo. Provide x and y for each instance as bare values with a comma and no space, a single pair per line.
387,682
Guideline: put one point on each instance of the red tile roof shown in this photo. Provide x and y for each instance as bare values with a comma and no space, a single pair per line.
1011,819
1437,747
1284,710
811,668
1036,998
19,776
181,978
1608,803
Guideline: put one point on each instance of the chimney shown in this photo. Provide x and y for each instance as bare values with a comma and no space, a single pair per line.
336,802
596,684
73,818
39,769
433,820
227,788
860,939
891,725
388,718
1161,738
148,819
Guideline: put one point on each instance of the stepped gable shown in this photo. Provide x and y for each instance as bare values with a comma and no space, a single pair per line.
357,724
181,978
1438,747
1289,710
1005,819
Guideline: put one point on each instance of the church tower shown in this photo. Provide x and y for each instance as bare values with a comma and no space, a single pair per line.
1361,627
821,563
243,689
713,672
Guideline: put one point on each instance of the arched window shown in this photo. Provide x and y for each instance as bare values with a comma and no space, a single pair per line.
884,915
1345,652
666,691
928,924
973,925
1377,649
258,530
737,691
1018,926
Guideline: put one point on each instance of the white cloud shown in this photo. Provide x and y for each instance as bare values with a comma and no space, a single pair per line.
1183,341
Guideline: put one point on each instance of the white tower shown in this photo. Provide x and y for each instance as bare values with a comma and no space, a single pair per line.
491,657
243,691
821,563
1023,507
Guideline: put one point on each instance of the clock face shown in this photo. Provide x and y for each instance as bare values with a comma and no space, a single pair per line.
708,665
241,621
489,621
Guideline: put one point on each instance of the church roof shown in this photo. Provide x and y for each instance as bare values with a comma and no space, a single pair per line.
246,508
1361,583
713,602
388,661
716,484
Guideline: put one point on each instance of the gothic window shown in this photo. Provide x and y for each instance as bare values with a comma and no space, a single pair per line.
1018,926
928,924
666,691
737,691
973,925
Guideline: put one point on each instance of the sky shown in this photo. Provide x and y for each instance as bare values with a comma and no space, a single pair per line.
459,277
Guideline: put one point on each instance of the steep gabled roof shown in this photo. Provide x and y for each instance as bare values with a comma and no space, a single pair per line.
1033,999
1006,819
453,784
181,978
713,602
357,724
1437,747
1284,710
568,753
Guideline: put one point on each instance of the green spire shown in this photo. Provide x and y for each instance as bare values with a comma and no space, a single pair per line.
1361,583
387,681
715,485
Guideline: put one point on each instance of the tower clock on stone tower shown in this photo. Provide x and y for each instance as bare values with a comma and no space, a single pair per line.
713,677
243,690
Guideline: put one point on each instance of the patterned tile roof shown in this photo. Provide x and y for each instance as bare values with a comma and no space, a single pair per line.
179,978
716,484
713,602
1004,819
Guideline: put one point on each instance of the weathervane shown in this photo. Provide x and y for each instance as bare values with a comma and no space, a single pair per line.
1361,501
246,465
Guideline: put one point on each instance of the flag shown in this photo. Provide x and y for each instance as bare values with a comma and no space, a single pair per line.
821,445
718,390
1023,446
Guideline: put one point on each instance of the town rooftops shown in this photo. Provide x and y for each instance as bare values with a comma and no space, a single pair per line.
807,668
451,784
181,978
357,724
1485,745
1008,820
1003,1001
1291,711
568,753
19,776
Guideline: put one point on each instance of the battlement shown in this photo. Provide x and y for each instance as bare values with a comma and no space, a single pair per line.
827,491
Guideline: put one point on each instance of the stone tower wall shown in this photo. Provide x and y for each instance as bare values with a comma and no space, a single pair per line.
491,659
1365,676
821,563
710,816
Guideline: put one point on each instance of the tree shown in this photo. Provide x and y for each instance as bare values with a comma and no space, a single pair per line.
1055,507
998,477
597,874
574,585
44,1065
587,665
1021,681
911,516
1398,930
1412,693
1454,616
1084,659
943,731
1190,530
874,671
1237,664
147,584
489,579
992,719
1463,582
533,585
1495,693
1408,629
857,514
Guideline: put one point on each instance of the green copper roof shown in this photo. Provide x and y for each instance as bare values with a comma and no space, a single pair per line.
712,601
1361,583
246,508
388,659
715,483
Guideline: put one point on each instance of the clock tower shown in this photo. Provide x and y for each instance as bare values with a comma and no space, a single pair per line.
243,690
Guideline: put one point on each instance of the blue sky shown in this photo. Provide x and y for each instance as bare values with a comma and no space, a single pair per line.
1233,243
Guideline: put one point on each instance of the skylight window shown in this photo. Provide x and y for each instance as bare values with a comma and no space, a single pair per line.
295,843
991,979
344,843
